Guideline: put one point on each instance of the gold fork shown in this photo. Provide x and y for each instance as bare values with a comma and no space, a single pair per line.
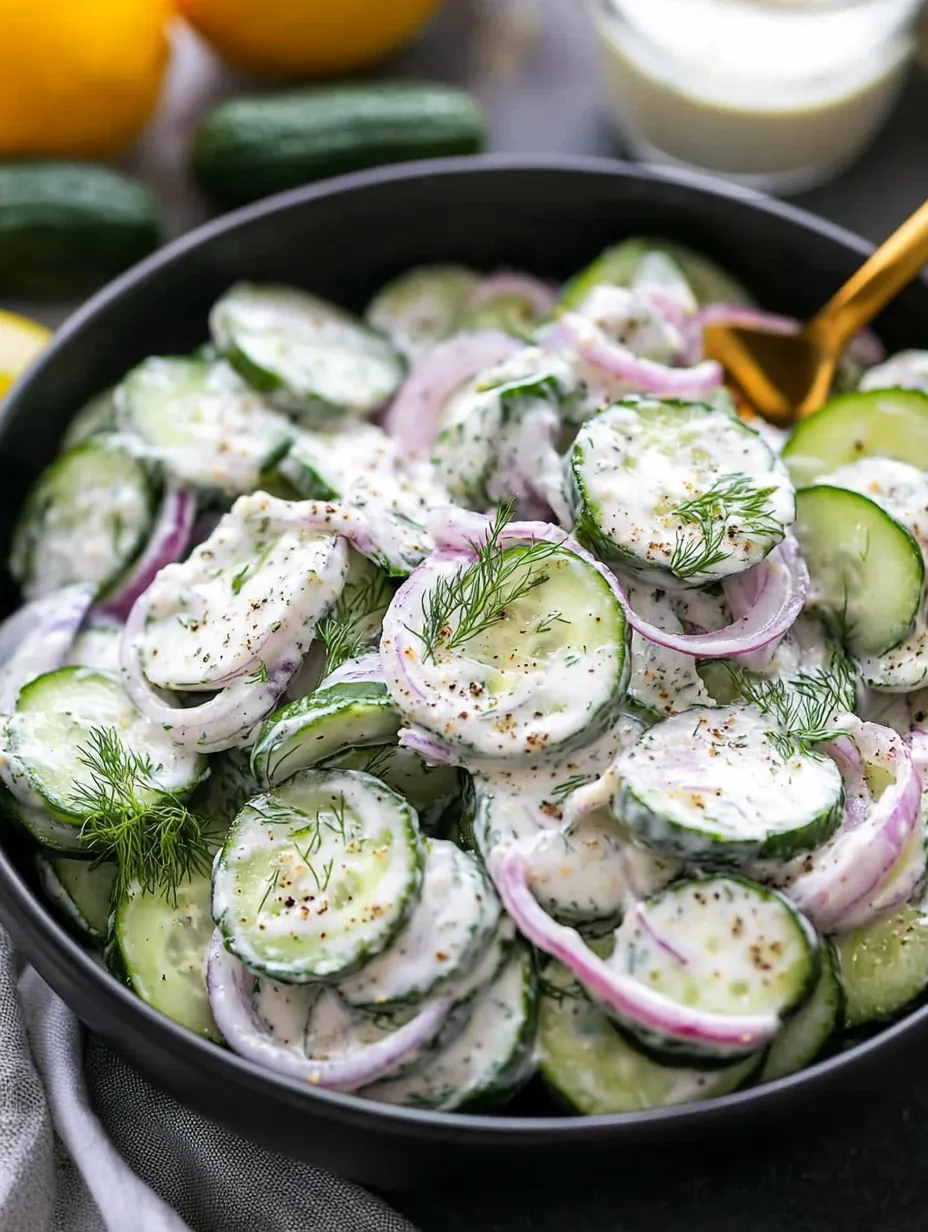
786,376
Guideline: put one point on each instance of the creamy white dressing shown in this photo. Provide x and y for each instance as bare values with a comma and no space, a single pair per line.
906,370
338,458
662,680
97,646
636,465
633,320
250,590
420,308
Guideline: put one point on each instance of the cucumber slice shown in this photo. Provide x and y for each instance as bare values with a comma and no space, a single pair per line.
508,312
159,947
809,1032
590,1065
421,307
322,725
54,835
490,1059
81,890
240,600
314,360
677,492
318,877
449,930
97,416
867,569
433,791
49,730
202,422
720,944
549,674
884,966
323,465
97,646
364,599
620,266
710,786
880,423
86,520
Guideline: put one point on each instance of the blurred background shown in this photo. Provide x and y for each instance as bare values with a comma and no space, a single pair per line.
125,122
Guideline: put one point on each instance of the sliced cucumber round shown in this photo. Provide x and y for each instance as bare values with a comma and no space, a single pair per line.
711,786
904,370
249,590
433,791
318,877
95,417
590,1065
867,570
884,966
314,359
421,307
86,519
158,944
809,1032
323,465
80,890
720,944
50,735
620,266
97,646
546,672
450,928
490,1059
881,423
207,427
321,725
677,492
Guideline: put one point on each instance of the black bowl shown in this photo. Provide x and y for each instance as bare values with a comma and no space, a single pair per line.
343,239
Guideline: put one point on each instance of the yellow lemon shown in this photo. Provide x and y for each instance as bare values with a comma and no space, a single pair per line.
79,78
20,342
306,37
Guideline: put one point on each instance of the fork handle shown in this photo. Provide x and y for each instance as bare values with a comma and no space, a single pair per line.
893,266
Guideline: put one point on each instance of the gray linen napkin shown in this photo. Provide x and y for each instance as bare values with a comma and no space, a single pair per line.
87,1145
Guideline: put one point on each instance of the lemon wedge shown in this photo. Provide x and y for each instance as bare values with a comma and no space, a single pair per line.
21,340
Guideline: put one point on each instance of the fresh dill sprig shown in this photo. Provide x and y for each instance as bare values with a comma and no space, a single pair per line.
480,594
731,500
569,786
803,706
153,837
377,759
343,633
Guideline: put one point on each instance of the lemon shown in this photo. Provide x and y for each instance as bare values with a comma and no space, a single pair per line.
79,78
20,342
306,37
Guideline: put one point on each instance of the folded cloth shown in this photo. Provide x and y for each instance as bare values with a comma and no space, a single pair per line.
87,1145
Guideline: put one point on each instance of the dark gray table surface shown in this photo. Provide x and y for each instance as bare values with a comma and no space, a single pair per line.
534,65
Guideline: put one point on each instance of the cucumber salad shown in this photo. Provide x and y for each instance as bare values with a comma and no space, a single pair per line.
472,694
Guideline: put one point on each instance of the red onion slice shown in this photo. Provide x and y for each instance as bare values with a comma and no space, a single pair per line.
541,296
169,540
837,878
223,722
366,669
630,1000
642,375
37,638
433,752
414,415
230,983
780,585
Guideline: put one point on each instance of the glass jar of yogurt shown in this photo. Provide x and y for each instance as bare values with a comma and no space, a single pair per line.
776,94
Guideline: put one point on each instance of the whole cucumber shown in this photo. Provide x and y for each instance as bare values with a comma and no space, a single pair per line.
66,228
247,148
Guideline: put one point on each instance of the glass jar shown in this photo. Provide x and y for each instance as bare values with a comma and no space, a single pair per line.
776,94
